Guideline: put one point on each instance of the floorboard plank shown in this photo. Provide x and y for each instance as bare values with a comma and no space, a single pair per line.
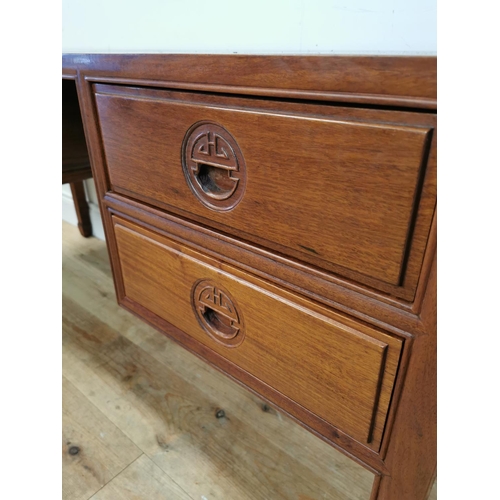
142,479
94,449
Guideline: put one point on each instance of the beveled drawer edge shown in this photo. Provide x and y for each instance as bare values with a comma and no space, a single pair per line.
391,345
378,344
409,102
264,286
425,271
332,291
140,92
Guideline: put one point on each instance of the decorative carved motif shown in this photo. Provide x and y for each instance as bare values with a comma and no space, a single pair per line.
213,165
217,313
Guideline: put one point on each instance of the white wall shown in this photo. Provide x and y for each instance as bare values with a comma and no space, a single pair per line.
255,26
258,26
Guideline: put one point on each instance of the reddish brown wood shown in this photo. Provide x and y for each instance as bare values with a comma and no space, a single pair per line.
389,81
316,87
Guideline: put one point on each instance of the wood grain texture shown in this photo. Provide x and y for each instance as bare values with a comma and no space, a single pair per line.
94,450
396,81
334,193
280,334
165,400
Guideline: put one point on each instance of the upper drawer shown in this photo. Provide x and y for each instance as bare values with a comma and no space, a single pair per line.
337,193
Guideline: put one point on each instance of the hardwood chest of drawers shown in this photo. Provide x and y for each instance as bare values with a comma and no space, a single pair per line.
276,216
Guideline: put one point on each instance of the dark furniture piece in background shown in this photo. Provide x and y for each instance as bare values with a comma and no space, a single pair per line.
277,217
75,158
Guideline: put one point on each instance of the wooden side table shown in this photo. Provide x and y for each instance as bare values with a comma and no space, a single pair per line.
75,158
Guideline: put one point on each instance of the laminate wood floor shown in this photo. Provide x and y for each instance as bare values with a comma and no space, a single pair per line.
145,419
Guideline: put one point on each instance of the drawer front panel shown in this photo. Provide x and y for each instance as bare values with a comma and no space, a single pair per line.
337,194
337,370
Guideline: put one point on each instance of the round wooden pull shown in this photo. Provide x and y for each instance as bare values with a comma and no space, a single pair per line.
217,313
213,166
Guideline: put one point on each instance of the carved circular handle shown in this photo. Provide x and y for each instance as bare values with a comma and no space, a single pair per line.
217,313
213,165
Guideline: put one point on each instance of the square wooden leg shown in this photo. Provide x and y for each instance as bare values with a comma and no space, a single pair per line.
81,208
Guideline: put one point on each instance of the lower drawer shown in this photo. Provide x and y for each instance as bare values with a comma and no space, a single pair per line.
339,372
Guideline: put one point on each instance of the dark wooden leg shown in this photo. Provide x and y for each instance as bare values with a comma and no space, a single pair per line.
82,208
